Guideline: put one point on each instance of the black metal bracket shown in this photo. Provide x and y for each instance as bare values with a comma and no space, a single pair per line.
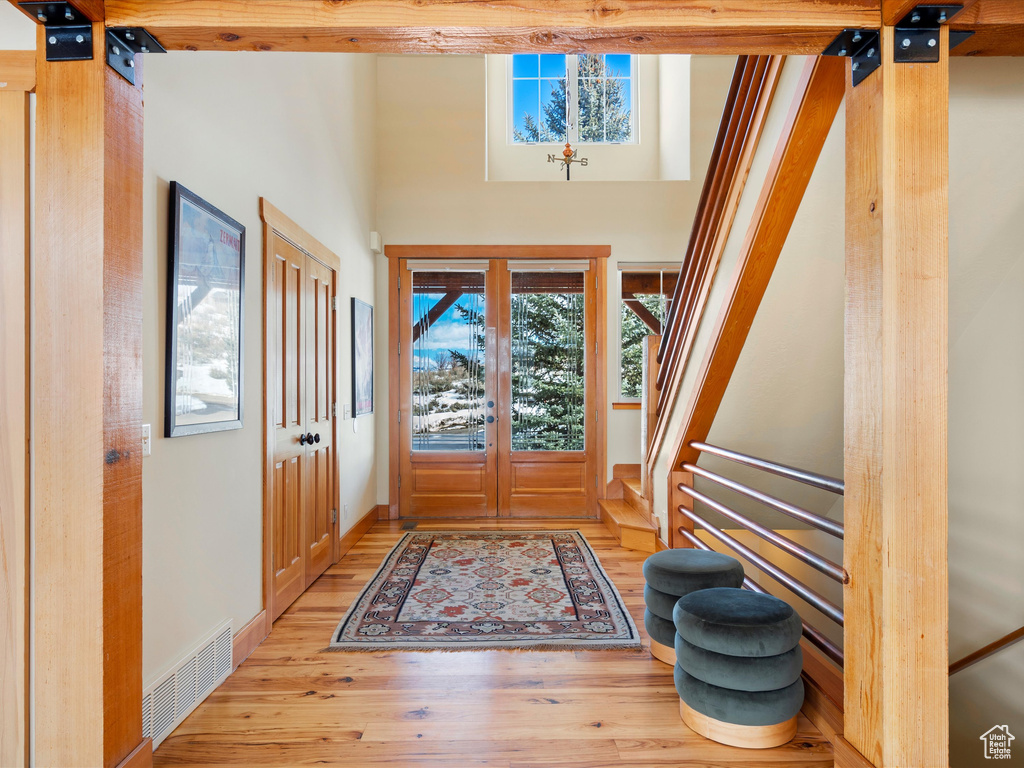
861,45
122,45
917,33
68,31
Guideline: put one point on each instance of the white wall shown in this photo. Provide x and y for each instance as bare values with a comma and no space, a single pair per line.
297,129
17,31
986,398
432,189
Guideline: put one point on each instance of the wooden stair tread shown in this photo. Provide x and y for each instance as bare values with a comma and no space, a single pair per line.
633,495
626,516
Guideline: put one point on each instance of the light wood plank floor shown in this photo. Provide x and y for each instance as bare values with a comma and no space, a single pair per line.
289,704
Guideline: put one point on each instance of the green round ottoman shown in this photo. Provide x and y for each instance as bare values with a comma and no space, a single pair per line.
672,573
738,666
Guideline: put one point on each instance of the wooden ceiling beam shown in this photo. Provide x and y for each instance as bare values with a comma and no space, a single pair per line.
485,26
93,9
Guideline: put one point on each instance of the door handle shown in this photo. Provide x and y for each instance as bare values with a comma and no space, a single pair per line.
316,438
307,439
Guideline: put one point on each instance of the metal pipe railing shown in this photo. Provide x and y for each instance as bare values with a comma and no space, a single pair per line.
824,482
818,601
816,561
814,636
817,521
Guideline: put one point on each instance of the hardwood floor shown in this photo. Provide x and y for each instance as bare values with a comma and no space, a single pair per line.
290,704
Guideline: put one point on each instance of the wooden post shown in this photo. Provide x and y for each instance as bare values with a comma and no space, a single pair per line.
14,411
648,408
896,687
87,412
676,499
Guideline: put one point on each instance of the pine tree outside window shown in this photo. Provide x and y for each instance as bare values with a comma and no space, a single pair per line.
584,99
645,292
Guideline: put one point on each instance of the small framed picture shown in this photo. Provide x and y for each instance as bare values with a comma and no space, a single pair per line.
205,292
362,358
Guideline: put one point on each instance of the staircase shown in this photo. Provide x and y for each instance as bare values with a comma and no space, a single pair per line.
629,518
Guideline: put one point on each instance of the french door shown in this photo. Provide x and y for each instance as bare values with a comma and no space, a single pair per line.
498,388
301,485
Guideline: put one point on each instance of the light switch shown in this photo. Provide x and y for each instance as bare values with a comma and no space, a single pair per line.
147,443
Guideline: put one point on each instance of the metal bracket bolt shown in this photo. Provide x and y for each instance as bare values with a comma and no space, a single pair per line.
862,46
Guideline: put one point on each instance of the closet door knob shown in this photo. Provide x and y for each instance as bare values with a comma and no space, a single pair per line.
316,438
302,440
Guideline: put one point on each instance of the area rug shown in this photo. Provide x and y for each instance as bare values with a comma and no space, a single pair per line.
450,590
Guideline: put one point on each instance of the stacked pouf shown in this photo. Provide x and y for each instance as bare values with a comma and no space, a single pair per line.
738,666
673,573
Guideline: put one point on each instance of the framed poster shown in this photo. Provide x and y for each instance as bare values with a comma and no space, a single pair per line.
205,283
362,357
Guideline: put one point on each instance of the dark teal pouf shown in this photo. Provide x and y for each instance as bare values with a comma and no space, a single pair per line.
660,604
660,630
740,673
754,708
737,622
682,571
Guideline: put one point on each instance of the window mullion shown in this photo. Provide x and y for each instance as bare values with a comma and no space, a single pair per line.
572,96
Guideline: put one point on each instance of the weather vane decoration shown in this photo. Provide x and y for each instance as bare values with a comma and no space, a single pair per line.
569,156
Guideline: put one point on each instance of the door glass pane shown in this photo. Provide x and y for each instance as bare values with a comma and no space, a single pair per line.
547,361
448,361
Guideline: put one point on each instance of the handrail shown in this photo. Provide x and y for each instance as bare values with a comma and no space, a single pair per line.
824,482
814,636
828,608
816,561
983,653
816,521
750,72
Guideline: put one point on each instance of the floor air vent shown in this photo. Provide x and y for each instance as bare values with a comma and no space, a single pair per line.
174,694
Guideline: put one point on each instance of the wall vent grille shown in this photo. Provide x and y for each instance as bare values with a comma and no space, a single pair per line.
173,695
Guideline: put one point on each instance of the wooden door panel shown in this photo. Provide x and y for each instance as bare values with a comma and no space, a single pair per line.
287,489
288,563
548,489
319,418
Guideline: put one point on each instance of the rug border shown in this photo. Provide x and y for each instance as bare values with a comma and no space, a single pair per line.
541,644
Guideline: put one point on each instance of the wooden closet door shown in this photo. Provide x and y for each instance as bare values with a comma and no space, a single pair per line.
286,303
320,324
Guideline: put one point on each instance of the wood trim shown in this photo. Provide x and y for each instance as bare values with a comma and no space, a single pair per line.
248,638
140,757
18,71
404,26
289,230
983,653
896,397
488,252
818,96
723,229
626,406
15,424
600,378
826,675
358,530
827,716
383,512
87,412
394,386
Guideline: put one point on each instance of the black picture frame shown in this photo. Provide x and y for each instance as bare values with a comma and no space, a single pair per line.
204,363
362,358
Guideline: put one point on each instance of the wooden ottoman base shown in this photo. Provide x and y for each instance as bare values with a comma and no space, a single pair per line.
746,736
663,653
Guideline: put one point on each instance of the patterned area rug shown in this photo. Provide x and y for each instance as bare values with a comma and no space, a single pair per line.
446,590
